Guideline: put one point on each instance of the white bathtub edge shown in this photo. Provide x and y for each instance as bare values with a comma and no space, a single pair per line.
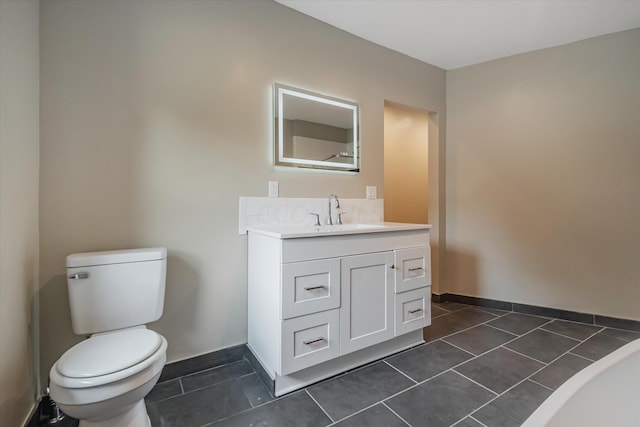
552,405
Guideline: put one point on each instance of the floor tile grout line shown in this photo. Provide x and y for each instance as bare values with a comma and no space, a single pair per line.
581,357
477,420
320,406
522,335
475,382
466,329
541,385
548,319
473,355
619,329
516,337
502,330
617,338
528,357
439,315
213,368
373,362
566,352
587,339
580,341
559,334
414,385
255,407
168,397
577,322
406,350
351,415
399,371
486,310
447,311
396,414
499,395
228,380
452,368
360,411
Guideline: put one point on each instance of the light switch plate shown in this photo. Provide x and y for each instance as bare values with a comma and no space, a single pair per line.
273,188
372,192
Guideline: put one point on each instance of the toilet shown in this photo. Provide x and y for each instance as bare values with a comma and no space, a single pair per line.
102,381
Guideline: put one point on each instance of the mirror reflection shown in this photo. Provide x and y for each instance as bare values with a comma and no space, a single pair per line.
314,130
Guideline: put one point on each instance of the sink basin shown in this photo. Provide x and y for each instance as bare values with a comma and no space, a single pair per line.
292,231
347,227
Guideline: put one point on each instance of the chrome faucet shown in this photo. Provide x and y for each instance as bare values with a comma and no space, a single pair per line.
332,196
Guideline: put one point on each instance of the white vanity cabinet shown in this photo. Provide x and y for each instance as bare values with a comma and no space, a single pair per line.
319,304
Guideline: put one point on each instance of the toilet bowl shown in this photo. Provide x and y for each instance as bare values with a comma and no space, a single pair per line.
102,381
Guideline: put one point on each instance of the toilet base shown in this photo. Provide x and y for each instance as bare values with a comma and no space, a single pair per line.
136,416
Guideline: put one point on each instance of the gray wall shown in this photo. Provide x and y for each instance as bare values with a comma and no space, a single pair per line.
19,145
542,177
156,116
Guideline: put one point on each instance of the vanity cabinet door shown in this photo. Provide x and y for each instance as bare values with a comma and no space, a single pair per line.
412,267
366,314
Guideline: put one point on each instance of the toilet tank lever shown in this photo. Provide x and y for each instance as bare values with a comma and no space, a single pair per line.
80,275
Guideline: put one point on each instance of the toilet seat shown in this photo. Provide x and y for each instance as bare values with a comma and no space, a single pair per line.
107,358
108,353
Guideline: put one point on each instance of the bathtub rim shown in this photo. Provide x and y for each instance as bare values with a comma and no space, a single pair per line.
552,405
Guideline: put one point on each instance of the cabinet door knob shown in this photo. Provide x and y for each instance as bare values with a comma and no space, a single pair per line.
392,266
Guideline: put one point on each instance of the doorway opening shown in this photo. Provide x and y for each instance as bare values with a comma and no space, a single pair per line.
406,164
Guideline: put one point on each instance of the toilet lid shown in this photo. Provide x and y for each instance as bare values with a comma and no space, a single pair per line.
109,353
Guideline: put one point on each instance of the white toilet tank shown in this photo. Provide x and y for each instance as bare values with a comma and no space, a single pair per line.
116,289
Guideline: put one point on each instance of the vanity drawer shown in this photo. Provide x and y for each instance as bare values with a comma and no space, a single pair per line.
309,287
412,310
309,340
412,268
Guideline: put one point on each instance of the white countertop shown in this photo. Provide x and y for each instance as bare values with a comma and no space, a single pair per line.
295,231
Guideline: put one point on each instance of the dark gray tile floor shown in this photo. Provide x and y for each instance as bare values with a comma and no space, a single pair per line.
479,367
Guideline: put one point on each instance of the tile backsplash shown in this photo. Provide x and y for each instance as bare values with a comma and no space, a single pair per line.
282,210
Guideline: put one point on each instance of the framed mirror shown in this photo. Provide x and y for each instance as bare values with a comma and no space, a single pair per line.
315,131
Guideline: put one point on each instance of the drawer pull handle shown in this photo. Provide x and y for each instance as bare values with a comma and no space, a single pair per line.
416,269
417,310
314,288
313,341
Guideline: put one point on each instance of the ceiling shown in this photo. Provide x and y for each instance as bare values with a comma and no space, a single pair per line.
455,33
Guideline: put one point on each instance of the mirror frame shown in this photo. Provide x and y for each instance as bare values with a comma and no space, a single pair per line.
280,91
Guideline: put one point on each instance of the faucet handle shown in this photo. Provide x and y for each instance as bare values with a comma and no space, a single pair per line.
317,223
339,222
